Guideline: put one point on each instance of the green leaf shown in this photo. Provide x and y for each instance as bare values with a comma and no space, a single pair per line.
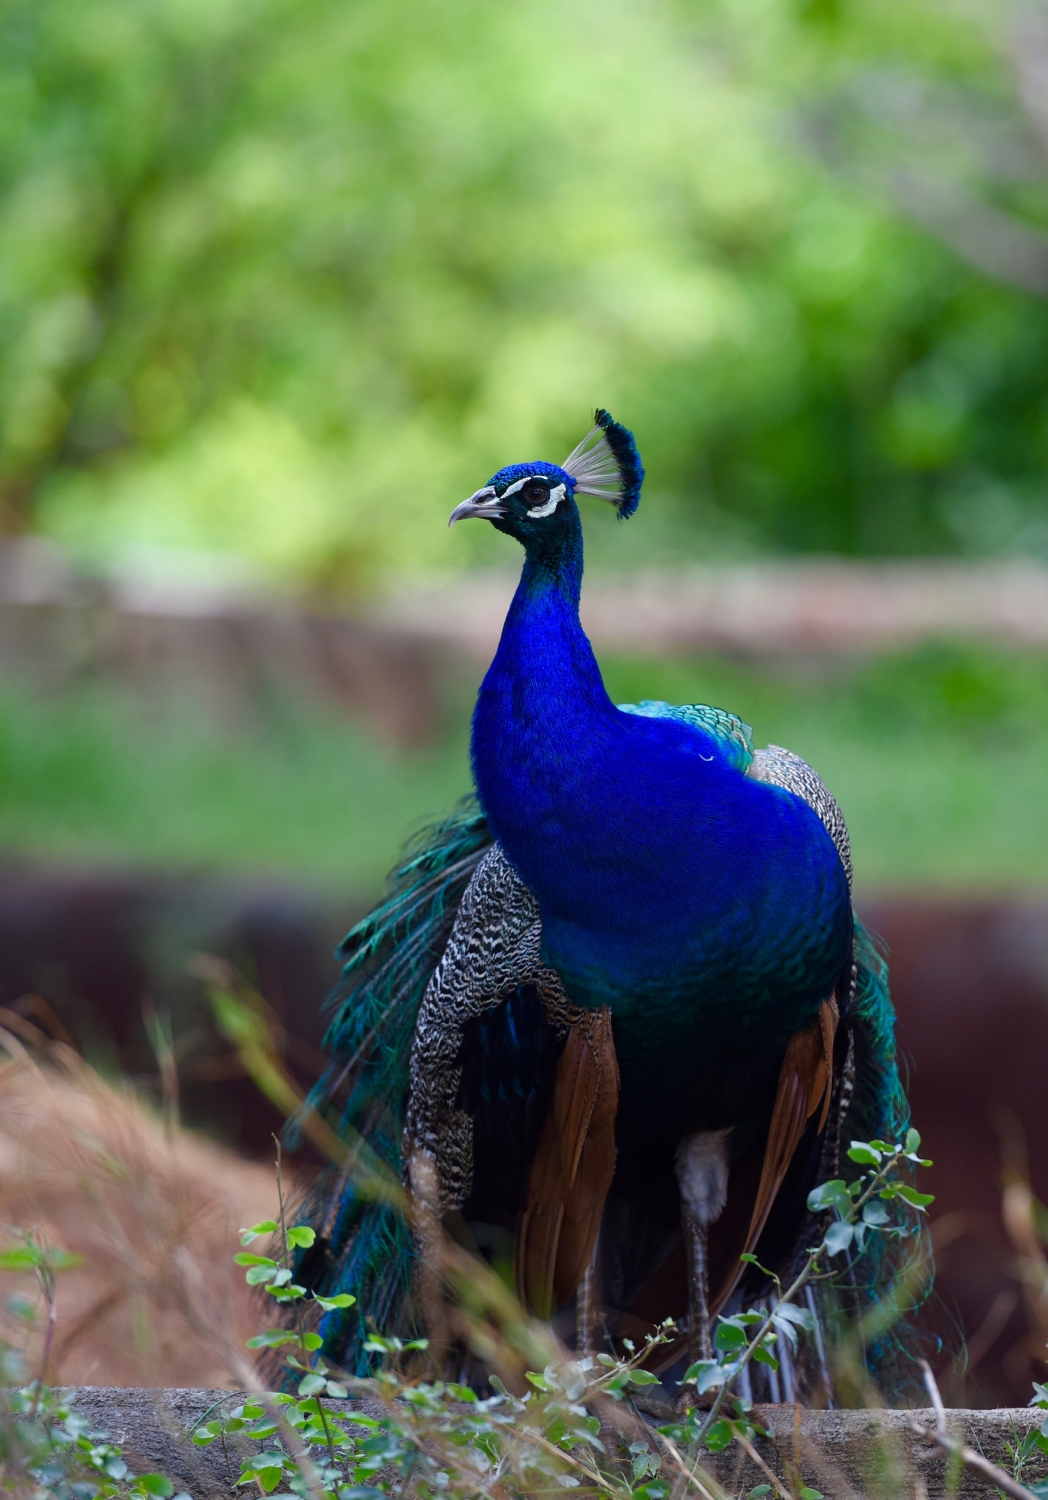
264,1226
864,1155
309,1385
246,1258
809,1494
643,1377
838,1237
719,1436
830,1195
343,1299
301,1236
312,1341
803,1317
757,1491
65,1260
258,1275
655,1489
913,1140
729,1336
875,1213
764,1356
273,1338
25,1258
913,1197
155,1484
266,1460
751,1260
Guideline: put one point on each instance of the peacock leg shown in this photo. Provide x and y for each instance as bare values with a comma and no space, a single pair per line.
702,1172
696,1242
424,1212
587,1307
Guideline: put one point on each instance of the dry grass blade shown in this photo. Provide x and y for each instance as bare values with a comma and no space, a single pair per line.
153,1210
954,1448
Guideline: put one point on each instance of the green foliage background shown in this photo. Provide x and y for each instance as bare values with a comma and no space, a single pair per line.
937,758
288,277
284,279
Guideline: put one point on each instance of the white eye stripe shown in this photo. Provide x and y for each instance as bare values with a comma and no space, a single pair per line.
518,484
556,495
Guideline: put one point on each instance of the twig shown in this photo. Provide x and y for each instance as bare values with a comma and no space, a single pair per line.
954,1448
745,1443
591,1474
689,1474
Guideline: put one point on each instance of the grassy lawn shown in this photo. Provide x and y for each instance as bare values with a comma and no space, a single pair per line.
939,759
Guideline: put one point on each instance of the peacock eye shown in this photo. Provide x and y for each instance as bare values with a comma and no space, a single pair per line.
535,492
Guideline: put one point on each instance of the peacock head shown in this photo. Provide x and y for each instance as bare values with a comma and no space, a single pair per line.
536,502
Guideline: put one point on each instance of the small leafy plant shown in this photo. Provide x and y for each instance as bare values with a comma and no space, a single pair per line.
575,1428
47,1448
860,1209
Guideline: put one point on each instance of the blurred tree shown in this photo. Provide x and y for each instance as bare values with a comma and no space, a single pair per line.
280,277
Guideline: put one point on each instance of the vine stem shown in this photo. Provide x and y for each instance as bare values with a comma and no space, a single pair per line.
689,1474
46,1281
299,1330
748,1447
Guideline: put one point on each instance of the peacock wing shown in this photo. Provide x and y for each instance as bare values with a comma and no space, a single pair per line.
805,1089
513,1090
779,767
572,1167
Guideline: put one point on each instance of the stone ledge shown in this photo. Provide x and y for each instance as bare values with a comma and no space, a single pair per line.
848,1455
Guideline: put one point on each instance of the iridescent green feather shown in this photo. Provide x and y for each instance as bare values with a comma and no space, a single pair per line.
734,738
887,1283
363,1245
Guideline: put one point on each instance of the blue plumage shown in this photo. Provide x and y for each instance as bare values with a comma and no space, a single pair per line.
696,902
691,889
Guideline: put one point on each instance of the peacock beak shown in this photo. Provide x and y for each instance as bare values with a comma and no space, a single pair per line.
483,503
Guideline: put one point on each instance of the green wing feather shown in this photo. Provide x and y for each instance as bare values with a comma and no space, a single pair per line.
362,1245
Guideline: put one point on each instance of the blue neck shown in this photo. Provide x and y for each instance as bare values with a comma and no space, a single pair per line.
543,717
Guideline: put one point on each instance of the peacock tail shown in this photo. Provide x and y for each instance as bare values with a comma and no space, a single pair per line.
363,1242
879,1107
888,1282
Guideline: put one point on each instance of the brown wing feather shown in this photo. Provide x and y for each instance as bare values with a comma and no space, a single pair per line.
572,1168
575,1159
805,1084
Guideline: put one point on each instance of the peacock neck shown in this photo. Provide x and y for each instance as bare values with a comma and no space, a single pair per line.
542,713
544,656
553,570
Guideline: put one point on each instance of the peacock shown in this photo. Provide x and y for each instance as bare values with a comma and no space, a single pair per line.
615,1014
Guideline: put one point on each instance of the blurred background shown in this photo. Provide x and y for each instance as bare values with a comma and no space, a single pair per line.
283,280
